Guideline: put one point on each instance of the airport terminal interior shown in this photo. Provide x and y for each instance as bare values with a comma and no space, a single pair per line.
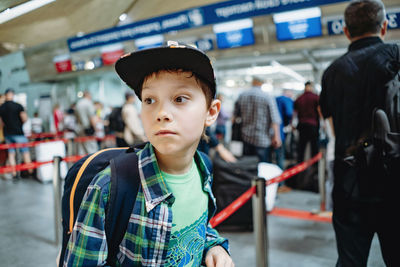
54,51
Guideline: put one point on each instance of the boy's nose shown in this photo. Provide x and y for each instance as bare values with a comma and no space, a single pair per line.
163,115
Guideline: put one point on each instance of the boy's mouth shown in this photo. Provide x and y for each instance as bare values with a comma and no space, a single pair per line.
165,132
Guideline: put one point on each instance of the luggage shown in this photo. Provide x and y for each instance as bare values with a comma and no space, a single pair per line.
46,152
269,171
230,181
306,180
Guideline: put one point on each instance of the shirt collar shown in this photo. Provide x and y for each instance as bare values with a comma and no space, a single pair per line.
155,189
205,172
364,42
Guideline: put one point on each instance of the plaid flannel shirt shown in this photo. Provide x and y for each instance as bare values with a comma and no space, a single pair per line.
258,111
146,240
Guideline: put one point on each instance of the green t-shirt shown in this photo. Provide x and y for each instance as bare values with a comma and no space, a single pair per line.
189,221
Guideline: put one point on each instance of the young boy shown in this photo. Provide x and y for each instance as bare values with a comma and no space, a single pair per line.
169,222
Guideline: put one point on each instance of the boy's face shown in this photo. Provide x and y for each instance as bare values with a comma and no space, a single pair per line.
174,112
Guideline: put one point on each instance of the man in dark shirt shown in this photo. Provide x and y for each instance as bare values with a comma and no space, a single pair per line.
12,117
352,86
306,108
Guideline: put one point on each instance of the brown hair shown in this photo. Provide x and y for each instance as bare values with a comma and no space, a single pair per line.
364,16
205,87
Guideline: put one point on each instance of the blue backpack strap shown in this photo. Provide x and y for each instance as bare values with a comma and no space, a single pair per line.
124,187
207,161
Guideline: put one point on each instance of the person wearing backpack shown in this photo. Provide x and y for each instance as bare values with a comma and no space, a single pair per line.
353,86
133,130
169,222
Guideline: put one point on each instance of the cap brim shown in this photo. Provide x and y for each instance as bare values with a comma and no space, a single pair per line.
134,67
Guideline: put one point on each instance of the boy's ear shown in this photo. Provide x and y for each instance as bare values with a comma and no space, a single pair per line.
347,33
213,112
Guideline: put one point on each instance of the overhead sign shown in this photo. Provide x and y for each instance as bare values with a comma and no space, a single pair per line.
335,26
234,33
298,24
111,53
191,18
63,63
150,41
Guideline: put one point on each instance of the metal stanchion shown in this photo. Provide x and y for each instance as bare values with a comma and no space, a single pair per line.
57,199
322,179
70,151
260,223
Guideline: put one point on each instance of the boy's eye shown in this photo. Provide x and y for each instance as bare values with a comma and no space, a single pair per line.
148,100
181,99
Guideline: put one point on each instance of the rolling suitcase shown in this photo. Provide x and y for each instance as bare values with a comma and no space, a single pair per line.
230,181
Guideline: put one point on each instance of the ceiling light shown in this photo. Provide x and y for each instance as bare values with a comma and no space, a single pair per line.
122,17
11,13
230,83
89,65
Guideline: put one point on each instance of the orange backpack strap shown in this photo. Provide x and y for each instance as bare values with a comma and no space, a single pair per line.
77,179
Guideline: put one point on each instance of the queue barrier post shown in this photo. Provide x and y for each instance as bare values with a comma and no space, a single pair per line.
70,150
322,179
57,198
260,222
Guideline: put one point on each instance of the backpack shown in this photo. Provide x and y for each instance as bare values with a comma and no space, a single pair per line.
386,127
124,186
382,147
116,121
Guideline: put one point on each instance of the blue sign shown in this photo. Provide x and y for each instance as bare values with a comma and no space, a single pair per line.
79,65
236,38
149,42
298,24
191,18
299,29
335,26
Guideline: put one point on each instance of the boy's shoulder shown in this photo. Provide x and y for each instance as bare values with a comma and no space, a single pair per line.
103,178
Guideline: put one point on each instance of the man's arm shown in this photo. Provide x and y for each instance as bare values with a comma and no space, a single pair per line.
224,153
324,108
276,139
23,116
276,121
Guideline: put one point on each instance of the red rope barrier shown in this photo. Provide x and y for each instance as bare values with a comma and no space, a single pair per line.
294,170
45,135
30,144
233,207
23,166
65,140
300,214
240,201
35,164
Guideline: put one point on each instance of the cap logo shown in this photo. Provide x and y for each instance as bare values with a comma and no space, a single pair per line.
175,44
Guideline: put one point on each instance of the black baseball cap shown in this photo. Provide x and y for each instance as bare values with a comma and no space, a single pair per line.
135,66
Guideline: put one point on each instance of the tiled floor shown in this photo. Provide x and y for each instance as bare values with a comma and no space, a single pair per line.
27,231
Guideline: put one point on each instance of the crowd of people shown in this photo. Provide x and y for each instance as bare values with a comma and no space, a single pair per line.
265,122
